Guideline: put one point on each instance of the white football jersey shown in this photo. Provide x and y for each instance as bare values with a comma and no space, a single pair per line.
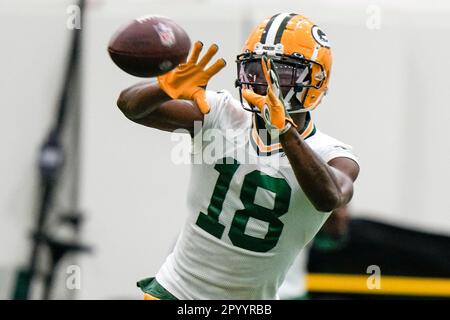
294,284
248,217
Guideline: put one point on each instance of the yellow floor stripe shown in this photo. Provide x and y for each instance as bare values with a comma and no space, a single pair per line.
393,285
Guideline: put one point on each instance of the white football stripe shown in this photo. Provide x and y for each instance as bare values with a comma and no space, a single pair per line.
271,34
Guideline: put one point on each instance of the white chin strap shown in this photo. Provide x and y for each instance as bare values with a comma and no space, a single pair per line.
290,94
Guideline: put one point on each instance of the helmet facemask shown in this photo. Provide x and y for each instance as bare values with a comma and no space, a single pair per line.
294,72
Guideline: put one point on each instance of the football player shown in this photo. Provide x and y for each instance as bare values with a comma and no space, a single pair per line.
248,219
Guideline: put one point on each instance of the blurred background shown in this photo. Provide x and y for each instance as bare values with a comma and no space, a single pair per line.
114,210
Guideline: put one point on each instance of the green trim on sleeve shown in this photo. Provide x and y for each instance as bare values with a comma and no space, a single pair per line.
152,287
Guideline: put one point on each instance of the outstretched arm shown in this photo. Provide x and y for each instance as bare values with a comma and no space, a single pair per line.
177,99
145,103
327,185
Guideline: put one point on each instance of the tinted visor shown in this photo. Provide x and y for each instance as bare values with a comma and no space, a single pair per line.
251,75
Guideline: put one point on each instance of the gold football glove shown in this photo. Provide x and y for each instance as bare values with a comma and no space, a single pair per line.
271,106
188,80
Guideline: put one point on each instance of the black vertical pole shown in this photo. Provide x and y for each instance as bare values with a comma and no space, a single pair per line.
51,161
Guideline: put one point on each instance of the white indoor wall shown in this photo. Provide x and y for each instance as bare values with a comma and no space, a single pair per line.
32,63
135,195
388,98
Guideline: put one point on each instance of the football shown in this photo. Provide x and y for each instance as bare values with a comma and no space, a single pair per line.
149,46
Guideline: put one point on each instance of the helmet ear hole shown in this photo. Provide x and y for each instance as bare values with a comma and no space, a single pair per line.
319,76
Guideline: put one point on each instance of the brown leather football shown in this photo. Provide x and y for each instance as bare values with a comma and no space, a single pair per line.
149,46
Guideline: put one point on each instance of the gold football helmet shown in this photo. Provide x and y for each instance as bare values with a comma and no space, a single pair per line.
301,55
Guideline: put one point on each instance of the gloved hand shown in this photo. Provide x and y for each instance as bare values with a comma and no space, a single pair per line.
271,106
188,80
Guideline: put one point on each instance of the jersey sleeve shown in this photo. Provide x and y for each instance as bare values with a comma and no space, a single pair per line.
339,151
329,148
225,111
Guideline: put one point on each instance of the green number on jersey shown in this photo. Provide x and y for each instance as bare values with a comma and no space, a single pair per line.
252,181
210,222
